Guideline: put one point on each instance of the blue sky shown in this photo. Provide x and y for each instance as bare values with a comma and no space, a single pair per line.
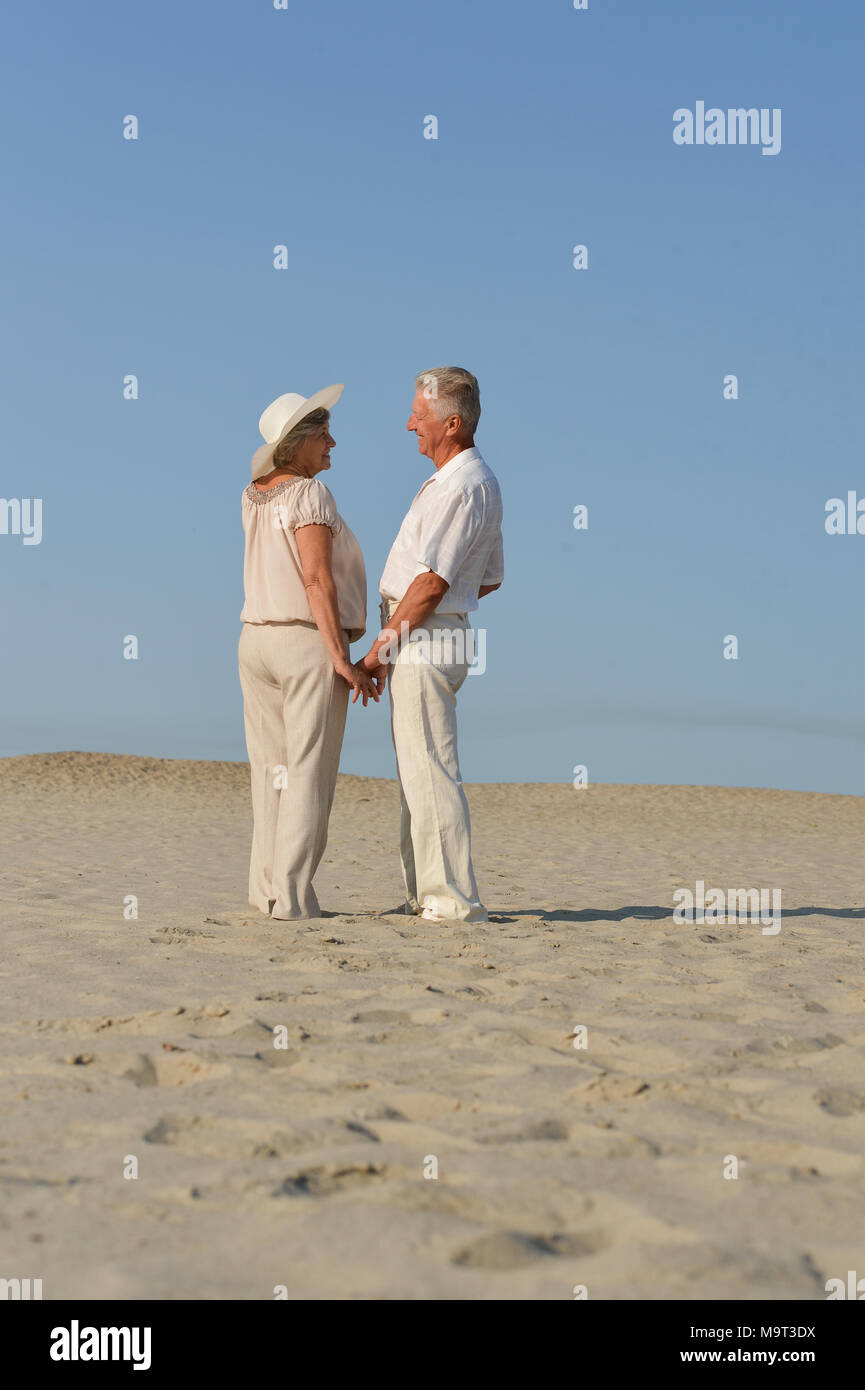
304,127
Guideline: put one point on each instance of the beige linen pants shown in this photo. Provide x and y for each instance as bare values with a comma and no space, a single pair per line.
294,708
435,832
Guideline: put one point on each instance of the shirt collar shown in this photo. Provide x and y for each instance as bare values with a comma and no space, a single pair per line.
458,461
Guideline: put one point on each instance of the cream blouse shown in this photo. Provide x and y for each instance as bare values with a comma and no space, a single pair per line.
272,572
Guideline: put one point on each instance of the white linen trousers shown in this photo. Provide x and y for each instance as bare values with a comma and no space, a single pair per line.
294,710
435,831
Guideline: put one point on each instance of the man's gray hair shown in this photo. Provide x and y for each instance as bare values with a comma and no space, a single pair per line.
452,391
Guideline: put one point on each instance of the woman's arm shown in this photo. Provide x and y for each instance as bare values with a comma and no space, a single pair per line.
315,547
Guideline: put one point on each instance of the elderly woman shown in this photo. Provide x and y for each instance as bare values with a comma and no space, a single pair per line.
305,600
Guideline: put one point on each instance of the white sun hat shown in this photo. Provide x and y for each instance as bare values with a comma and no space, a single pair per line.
281,416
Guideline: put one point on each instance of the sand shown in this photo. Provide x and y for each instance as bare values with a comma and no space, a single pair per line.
150,1041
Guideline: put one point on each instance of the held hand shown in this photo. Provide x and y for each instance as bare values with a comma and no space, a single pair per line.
359,680
370,662
375,668
379,676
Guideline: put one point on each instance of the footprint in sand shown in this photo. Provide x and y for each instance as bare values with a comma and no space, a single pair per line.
327,1179
381,1016
839,1102
170,1069
544,1131
614,1086
169,1128
515,1249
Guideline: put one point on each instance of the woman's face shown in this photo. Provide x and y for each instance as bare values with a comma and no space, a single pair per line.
313,455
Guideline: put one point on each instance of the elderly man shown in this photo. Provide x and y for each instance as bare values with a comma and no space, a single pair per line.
447,556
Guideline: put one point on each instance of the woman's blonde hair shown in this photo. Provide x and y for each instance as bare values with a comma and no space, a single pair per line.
286,449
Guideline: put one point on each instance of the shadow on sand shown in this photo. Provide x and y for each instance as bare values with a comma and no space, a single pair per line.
656,914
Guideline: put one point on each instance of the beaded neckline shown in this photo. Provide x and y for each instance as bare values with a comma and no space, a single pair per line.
257,494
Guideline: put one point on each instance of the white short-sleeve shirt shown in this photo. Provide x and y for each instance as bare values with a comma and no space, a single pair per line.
453,527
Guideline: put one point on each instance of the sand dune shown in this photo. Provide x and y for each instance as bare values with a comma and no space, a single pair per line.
152,1038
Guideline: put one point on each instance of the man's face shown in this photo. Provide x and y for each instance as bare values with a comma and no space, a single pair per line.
430,430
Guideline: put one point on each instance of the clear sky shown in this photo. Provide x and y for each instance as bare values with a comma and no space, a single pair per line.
304,127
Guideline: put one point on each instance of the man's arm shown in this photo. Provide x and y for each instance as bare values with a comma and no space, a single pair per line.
421,598
488,589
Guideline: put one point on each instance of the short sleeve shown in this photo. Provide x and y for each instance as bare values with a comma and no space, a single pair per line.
312,505
495,570
448,535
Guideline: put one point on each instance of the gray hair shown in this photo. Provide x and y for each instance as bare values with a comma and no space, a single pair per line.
452,391
288,446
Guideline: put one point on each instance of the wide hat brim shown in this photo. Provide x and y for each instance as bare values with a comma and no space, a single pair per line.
281,416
